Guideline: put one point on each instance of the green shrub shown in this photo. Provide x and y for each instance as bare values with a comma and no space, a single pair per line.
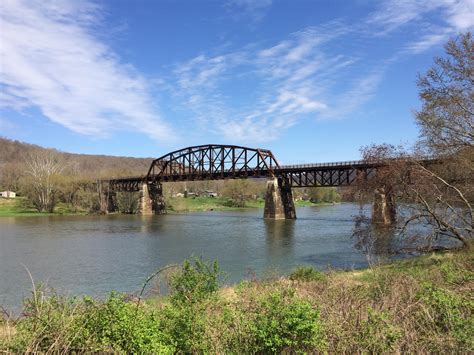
196,281
58,324
48,324
450,313
119,325
378,334
455,274
191,289
277,320
306,273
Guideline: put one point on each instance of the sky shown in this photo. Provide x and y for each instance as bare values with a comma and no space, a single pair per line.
313,81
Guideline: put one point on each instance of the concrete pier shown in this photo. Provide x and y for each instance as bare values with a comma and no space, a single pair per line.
279,202
112,205
151,199
383,210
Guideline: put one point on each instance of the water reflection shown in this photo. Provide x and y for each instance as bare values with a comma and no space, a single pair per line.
280,237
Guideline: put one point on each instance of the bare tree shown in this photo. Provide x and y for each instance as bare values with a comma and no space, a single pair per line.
437,194
425,193
446,91
42,181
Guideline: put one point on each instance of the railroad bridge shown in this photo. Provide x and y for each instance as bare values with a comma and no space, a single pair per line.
215,161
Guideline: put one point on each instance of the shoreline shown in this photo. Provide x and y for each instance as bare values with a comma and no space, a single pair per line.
422,304
13,208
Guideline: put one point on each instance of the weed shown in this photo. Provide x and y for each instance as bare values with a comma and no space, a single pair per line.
306,273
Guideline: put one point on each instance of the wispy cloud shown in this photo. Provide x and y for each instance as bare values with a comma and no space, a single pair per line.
253,9
454,16
52,60
285,82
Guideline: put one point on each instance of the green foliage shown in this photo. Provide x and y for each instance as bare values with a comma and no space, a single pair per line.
450,313
419,305
324,195
279,321
455,274
378,334
122,326
50,323
273,320
306,273
59,324
184,318
196,281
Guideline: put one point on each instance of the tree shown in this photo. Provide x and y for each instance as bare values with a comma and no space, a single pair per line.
439,193
426,191
446,91
324,194
42,181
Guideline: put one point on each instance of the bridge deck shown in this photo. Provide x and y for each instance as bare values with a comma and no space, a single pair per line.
301,175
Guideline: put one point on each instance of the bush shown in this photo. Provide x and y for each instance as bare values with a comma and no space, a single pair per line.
58,324
185,317
48,324
120,325
306,273
196,281
378,334
450,313
277,320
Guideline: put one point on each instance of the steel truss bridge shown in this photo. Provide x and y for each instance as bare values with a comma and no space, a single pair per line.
215,162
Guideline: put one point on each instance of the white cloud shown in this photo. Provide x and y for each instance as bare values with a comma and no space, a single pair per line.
292,79
51,59
253,9
455,15
428,41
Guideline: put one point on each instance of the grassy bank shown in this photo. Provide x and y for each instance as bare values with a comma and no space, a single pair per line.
21,207
420,305
196,204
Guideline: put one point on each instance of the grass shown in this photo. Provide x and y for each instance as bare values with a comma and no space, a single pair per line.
421,305
199,204
20,207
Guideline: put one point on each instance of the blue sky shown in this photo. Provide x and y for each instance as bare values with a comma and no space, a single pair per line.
311,80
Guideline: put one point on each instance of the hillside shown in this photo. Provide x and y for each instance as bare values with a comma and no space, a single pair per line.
15,154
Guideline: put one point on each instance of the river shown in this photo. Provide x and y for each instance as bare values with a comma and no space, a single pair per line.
94,255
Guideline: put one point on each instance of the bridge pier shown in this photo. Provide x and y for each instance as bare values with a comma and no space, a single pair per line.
151,199
279,202
383,210
112,205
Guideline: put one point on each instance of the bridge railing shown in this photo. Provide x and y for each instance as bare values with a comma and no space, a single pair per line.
355,163
320,165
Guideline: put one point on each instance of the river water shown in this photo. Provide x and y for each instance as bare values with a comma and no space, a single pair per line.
94,255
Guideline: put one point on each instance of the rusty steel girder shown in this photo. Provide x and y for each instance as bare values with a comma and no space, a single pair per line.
213,161
216,161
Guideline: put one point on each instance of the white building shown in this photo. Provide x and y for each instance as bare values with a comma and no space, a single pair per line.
7,194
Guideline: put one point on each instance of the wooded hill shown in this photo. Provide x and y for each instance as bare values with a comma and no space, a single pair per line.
14,156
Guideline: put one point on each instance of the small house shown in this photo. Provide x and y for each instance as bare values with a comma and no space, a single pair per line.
7,194
209,193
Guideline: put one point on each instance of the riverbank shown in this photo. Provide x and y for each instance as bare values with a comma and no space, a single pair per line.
199,204
423,304
20,207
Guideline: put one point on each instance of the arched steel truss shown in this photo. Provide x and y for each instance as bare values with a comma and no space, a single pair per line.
212,161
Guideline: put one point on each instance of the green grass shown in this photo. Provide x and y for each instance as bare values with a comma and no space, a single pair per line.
20,207
197,204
